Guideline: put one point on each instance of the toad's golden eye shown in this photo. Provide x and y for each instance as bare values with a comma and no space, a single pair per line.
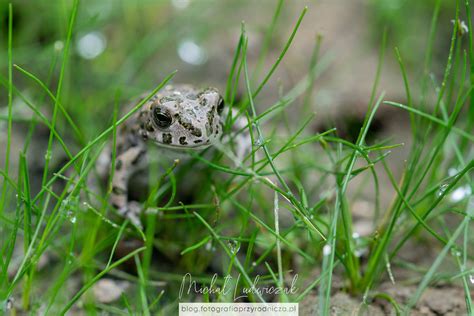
161,118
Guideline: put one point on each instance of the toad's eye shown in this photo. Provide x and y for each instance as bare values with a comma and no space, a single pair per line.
161,118
220,106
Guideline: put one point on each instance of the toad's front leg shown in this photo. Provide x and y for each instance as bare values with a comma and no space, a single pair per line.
126,164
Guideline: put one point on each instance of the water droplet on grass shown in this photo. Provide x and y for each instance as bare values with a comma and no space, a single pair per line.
327,250
65,203
71,216
258,142
455,252
442,189
234,246
471,278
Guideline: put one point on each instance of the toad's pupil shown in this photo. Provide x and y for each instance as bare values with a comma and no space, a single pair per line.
161,119
220,106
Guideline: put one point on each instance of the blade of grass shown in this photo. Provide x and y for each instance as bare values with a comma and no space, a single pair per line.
78,295
441,196
228,89
41,117
229,254
242,208
436,120
54,98
439,259
407,91
276,210
282,54
409,207
65,57
142,290
297,205
27,227
312,75
32,127
8,247
267,40
429,51
470,120
10,104
351,262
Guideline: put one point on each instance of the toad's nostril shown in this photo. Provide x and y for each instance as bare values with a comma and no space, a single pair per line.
167,138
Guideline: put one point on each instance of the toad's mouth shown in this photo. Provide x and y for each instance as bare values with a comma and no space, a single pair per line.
184,147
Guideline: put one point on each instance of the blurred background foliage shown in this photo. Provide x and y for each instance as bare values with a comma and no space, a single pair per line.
128,46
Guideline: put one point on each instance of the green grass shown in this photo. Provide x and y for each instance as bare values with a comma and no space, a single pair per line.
287,208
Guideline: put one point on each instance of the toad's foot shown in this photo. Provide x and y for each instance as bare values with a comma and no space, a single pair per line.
132,211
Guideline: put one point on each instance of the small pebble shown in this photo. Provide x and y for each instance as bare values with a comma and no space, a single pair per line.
109,290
